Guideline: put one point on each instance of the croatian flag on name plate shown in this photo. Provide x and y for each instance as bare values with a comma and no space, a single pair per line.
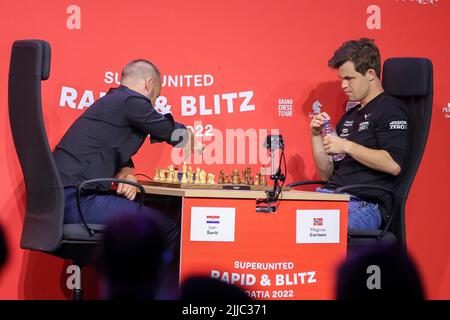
212,224
212,219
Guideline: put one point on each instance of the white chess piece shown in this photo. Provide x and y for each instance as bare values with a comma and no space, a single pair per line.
211,177
202,177
256,182
197,176
190,175
184,178
175,177
162,175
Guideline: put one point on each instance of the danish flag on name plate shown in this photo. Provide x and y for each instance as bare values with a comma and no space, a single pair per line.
318,221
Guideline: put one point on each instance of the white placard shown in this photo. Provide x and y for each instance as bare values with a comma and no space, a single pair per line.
212,224
318,226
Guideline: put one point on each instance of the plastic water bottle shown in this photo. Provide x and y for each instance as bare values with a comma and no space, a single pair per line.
329,130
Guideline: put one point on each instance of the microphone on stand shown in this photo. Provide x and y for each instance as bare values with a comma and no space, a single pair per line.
273,143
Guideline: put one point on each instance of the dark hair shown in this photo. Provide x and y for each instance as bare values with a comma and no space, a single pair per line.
206,289
363,53
398,276
130,255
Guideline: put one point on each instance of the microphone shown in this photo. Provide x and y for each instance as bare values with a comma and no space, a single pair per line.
274,142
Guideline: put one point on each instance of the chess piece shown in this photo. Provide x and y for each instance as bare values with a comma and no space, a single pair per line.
197,176
249,176
175,178
169,174
263,181
256,182
184,177
211,178
202,177
190,175
162,175
244,176
221,177
236,179
226,179
156,177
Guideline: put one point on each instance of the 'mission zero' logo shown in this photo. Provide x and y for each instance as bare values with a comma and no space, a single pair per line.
394,125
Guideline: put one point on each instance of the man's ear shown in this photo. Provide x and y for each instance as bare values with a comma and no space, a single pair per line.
148,83
372,74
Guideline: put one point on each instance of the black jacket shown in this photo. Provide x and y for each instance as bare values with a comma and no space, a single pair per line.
103,139
381,125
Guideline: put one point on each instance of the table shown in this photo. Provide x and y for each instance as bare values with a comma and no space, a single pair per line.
290,254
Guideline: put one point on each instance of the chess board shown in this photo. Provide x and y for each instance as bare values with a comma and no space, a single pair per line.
227,186
164,177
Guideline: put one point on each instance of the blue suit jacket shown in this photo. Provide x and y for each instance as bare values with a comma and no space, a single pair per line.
105,137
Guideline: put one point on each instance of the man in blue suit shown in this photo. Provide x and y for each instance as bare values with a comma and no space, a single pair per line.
101,142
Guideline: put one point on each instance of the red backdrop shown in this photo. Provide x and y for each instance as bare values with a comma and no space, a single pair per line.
248,56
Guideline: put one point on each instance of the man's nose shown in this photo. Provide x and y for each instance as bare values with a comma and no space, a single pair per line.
344,84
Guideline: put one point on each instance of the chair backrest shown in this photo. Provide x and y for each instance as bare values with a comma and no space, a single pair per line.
44,216
410,80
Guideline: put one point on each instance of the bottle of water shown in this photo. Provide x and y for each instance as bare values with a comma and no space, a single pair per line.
328,130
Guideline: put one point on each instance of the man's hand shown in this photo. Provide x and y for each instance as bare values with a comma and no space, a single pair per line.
193,145
317,123
127,190
335,145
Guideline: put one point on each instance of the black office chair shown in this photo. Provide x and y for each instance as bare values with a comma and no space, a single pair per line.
44,229
410,80
3,248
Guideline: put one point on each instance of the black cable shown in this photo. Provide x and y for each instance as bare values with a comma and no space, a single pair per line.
102,180
283,180
91,232
283,177
141,174
285,170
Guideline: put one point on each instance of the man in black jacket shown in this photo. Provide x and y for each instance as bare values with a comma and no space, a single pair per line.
101,142
373,136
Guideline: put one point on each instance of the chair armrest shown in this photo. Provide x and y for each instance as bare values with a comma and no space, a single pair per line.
91,181
370,186
306,182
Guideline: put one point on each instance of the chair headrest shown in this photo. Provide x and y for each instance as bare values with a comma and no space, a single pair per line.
407,76
43,47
